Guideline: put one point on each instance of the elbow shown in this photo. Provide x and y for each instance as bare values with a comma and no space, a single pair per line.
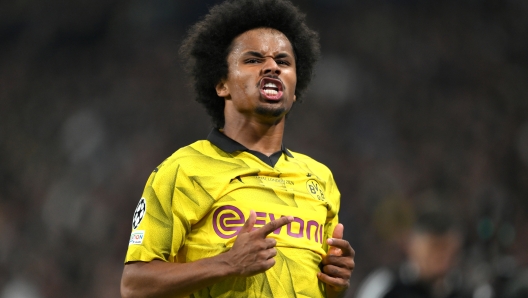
126,288
125,291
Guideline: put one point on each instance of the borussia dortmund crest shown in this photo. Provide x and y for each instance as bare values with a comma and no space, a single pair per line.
315,189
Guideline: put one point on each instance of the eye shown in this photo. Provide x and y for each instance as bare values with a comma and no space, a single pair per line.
252,61
283,62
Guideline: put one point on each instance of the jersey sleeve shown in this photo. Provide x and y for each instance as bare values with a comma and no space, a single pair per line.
158,232
173,202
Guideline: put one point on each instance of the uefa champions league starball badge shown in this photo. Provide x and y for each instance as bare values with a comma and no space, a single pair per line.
139,213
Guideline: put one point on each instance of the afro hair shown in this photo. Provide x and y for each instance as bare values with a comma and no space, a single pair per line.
208,43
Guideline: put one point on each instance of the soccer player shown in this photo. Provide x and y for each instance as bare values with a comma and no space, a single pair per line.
238,214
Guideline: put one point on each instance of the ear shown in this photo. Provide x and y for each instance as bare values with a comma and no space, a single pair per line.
221,89
294,98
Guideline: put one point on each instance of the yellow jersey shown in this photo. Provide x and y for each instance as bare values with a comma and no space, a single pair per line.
196,201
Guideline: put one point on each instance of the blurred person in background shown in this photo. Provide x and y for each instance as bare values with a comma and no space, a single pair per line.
432,249
238,214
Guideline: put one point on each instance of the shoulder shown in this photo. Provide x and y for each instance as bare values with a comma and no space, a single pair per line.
187,154
197,159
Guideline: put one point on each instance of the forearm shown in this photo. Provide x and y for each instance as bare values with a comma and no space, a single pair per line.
162,279
251,253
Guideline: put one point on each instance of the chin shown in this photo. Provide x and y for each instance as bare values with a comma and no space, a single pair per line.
270,111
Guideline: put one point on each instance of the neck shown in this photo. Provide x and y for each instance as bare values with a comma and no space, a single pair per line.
264,138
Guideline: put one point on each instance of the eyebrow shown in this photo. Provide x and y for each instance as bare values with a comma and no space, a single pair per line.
259,55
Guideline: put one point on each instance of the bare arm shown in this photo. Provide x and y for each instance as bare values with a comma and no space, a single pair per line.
251,253
159,279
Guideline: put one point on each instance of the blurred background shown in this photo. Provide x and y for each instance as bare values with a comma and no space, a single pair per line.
416,105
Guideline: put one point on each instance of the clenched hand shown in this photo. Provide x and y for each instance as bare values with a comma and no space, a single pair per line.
252,251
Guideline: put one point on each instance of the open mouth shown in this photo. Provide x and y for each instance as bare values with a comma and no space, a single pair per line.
271,88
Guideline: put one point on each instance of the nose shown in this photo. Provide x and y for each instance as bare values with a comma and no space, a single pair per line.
270,66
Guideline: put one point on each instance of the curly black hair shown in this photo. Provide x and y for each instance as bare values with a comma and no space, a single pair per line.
208,44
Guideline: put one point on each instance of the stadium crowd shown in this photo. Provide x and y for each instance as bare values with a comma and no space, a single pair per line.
415,105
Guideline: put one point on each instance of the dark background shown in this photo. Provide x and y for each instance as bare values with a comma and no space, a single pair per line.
415,105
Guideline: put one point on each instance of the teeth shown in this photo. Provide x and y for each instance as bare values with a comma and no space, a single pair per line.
271,92
270,85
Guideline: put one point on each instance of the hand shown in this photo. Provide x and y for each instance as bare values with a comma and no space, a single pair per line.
338,264
252,252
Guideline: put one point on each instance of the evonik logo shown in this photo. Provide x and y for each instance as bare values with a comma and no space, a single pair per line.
228,220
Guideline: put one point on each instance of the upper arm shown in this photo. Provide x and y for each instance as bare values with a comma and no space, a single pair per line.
174,202
154,226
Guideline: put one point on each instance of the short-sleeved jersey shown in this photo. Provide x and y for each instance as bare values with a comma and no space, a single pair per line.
196,201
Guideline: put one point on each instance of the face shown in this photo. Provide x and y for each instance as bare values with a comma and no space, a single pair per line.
261,79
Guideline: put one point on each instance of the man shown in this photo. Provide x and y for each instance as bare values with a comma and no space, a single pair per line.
432,251
238,214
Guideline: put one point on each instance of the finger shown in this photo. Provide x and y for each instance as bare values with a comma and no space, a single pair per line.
340,247
336,234
270,242
272,252
269,263
337,272
338,231
250,222
260,267
336,282
274,224
342,262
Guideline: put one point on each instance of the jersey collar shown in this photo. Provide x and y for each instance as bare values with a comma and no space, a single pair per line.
229,145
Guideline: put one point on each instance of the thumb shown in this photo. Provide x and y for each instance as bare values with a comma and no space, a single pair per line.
250,222
338,231
337,234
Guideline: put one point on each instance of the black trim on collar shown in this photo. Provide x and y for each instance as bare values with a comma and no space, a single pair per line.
229,145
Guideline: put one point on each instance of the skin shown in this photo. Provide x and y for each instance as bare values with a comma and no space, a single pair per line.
250,118
257,122
338,264
252,253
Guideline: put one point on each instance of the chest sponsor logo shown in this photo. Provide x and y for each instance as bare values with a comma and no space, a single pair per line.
228,220
315,190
